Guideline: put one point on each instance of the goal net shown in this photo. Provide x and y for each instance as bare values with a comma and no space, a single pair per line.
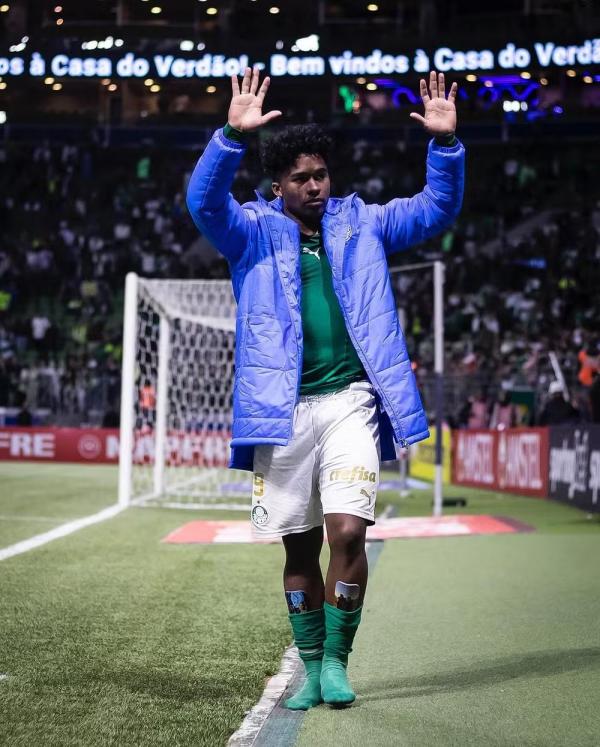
176,408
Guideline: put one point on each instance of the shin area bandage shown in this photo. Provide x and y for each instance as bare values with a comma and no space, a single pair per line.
296,602
346,596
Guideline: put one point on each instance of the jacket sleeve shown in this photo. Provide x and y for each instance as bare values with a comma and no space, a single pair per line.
214,210
411,220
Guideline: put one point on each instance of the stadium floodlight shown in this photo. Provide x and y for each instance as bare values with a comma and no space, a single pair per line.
438,342
2,117
308,43
176,398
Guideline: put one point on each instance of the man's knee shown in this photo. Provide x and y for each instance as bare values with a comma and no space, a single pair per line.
346,534
302,550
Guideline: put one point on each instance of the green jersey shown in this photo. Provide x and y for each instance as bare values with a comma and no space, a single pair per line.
330,360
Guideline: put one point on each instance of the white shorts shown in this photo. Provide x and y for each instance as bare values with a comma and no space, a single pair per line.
330,465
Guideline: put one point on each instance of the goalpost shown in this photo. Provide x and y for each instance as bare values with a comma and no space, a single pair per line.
177,392
176,395
438,341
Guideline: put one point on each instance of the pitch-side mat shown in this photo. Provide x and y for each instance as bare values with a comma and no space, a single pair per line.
223,532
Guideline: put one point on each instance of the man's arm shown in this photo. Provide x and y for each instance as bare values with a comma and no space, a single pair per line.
410,220
213,208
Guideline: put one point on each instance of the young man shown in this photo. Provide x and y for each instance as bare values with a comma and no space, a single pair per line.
323,384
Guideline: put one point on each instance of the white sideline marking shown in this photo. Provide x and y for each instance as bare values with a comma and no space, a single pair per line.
255,719
60,531
246,735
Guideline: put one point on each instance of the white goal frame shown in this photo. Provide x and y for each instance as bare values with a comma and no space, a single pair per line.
438,268
136,291
127,423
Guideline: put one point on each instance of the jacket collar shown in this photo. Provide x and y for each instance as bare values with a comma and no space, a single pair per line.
334,204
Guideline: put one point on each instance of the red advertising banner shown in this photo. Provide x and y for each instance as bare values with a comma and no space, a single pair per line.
205,448
96,445
513,460
101,446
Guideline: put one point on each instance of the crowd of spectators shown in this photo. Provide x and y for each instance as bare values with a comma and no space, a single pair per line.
522,269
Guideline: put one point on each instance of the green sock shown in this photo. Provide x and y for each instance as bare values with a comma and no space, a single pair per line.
340,627
309,635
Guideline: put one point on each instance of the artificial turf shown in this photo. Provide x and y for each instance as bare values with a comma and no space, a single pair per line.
108,636
475,641
37,497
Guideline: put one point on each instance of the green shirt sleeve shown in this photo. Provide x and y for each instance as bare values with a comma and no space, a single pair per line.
446,141
237,136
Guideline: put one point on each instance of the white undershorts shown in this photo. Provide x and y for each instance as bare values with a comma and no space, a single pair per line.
330,465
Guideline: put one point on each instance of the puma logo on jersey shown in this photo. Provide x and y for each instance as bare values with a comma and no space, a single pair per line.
306,250
366,493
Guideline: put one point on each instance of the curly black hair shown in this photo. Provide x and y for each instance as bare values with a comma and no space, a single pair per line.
279,152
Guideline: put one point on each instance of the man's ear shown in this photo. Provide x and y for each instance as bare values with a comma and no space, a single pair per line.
276,187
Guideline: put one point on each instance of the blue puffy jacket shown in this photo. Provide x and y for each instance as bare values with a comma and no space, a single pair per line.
262,246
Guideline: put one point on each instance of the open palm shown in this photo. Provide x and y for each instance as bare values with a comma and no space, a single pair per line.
440,112
245,109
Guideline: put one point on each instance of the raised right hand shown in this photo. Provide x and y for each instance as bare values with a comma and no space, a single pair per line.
245,109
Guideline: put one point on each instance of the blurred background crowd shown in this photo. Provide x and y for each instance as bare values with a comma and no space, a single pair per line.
522,270
94,168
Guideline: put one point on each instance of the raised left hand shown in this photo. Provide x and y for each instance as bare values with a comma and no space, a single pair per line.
440,112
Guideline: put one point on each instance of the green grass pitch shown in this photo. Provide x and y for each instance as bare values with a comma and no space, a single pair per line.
109,637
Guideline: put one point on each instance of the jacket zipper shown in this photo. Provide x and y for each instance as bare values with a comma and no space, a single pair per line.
403,442
287,300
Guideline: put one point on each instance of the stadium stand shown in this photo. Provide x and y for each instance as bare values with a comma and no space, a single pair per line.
77,217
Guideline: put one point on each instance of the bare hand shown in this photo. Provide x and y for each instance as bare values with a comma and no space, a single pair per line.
440,112
245,109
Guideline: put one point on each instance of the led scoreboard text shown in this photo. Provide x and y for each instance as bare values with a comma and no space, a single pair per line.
545,54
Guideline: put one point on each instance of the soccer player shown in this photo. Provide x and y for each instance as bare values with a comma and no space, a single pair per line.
323,383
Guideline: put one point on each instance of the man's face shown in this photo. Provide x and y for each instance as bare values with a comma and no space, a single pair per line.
305,188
